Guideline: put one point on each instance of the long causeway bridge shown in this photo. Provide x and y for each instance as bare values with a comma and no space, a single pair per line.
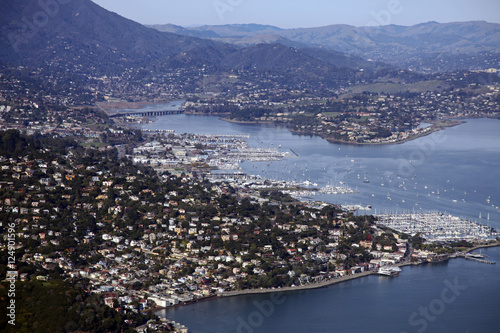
145,113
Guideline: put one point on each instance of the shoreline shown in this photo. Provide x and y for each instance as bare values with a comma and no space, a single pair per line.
339,280
322,284
305,287
194,113
251,122
116,106
484,246
437,125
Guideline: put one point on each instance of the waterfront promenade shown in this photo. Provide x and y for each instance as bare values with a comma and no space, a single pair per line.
303,287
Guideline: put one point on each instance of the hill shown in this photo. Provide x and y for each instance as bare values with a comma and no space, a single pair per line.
413,47
219,31
39,303
428,46
80,33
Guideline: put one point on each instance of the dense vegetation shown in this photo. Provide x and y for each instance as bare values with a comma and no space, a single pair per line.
58,306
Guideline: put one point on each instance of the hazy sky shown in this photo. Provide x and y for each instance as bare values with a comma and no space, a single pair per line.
303,13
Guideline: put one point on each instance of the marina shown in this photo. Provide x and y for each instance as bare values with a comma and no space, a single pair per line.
343,189
297,190
256,154
354,208
437,227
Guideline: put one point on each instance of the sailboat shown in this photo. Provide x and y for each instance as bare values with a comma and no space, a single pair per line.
365,180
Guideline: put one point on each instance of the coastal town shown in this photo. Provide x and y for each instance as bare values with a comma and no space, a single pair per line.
146,239
247,166
148,219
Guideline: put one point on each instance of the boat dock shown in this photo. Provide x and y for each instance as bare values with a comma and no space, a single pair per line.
476,257
479,258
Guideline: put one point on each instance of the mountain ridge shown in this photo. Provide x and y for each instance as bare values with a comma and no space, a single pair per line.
404,46
80,28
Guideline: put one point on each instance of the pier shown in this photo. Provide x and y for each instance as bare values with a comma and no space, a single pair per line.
479,258
153,113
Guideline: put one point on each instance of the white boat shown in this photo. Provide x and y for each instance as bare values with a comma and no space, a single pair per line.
389,270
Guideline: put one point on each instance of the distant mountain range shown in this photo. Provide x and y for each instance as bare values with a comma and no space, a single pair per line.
220,31
415,47
78,35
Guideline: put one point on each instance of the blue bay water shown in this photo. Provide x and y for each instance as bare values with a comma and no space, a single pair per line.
456,170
